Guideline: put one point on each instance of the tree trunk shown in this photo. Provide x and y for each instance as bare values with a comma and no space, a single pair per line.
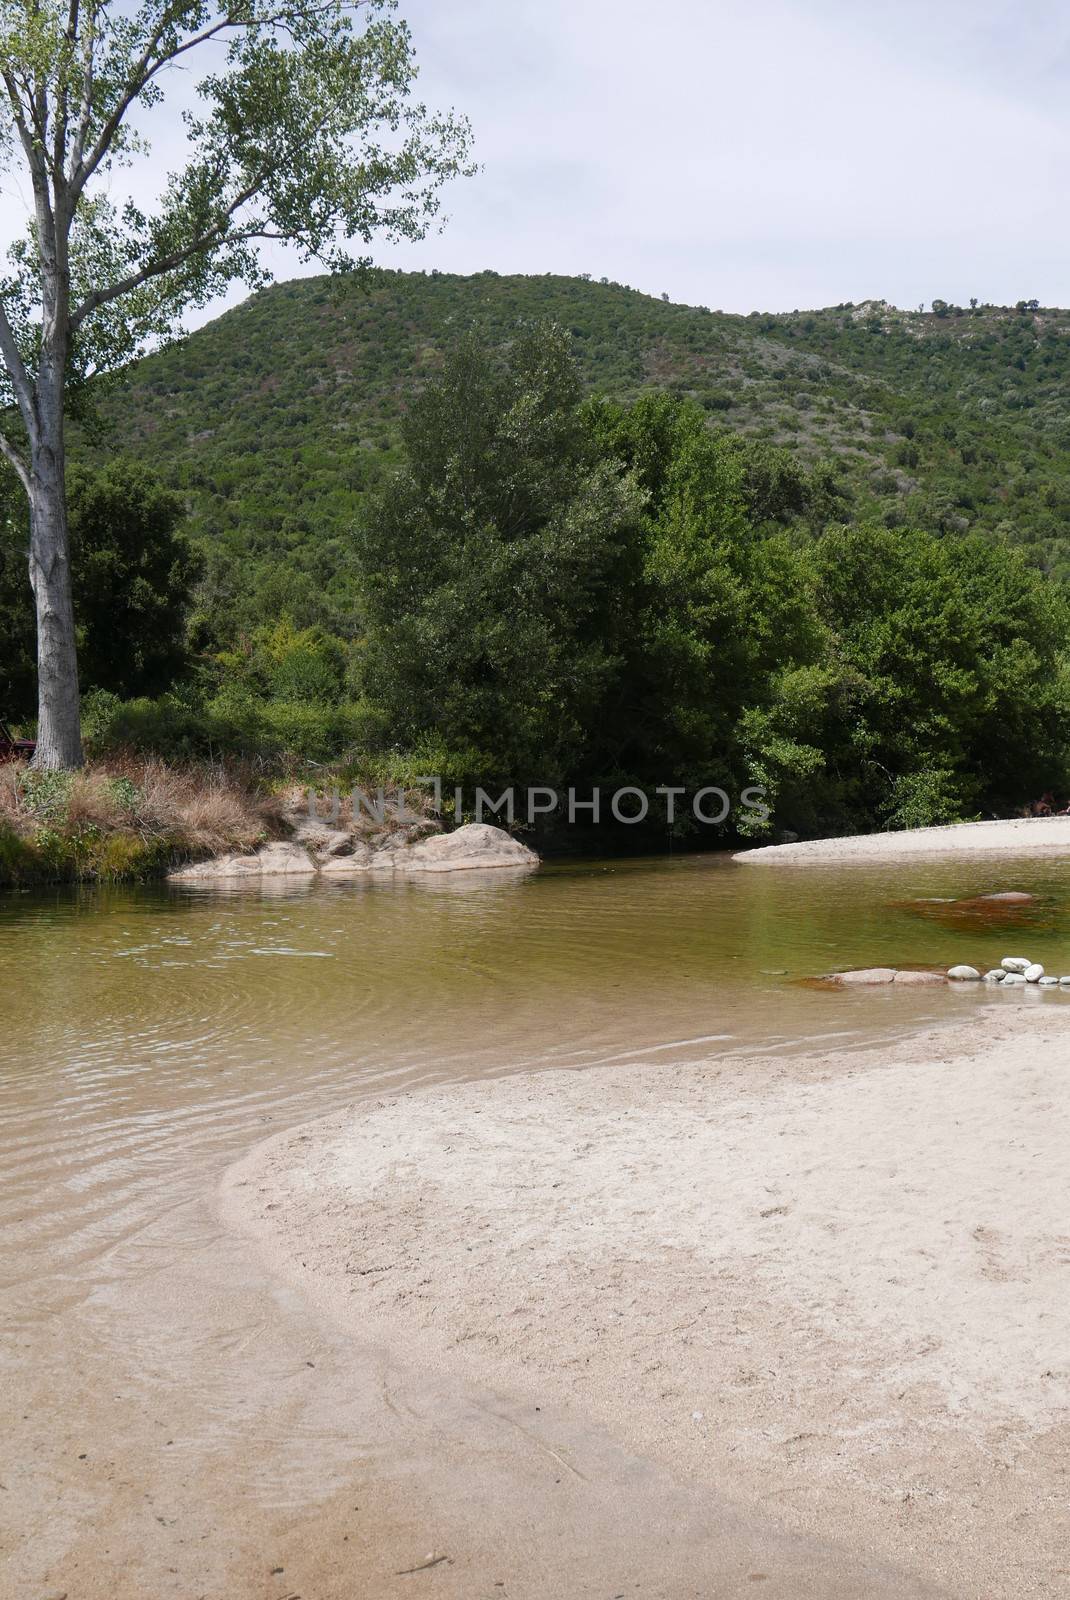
59,737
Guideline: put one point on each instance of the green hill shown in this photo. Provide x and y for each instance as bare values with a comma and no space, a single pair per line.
276,418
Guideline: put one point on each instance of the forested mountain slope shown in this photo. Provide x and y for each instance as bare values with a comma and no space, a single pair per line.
276,418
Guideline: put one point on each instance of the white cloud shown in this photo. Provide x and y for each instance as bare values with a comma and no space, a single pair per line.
755,153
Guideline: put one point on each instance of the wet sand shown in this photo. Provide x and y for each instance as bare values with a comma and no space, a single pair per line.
1021,837
820,1300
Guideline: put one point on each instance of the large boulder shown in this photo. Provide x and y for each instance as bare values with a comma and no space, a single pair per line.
330,853
271,860
476,845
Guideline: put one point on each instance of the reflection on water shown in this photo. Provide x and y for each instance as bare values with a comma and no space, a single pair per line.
147,1030
150,1035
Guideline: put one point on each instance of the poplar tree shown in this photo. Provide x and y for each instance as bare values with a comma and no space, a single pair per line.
302,130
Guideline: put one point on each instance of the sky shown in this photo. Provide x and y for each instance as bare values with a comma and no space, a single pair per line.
760,154
751,154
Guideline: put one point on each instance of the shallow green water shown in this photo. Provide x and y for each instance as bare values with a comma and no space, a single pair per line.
149,1030
151,1035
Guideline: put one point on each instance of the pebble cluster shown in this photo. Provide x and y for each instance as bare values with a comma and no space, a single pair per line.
1011,970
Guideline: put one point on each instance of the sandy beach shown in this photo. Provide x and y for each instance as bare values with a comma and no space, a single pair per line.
1020,836
832,1290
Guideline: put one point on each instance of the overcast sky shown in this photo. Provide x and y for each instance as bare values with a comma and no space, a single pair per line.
761,154
757,154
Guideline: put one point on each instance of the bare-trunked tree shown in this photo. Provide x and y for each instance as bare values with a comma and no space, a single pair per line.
303,130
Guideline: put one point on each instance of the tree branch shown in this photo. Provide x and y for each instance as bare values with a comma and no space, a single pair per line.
85,108
215,235
62,110
16,371
14,461
18,112
147,67
32,147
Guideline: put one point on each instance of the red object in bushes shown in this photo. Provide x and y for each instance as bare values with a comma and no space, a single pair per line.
11,748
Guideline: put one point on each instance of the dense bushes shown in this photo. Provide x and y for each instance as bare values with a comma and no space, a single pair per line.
132,573
560,591
279,734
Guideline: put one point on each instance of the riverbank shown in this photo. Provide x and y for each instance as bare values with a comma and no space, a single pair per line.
135,819
126,819
1017,836
831,1288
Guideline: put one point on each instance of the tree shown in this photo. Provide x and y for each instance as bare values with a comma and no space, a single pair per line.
303,132
133,577
499,568
952,651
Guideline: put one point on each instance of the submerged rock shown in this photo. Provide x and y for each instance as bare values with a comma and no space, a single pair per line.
278,859
865,976
917,980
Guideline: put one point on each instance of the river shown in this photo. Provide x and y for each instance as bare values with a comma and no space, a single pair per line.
170,1427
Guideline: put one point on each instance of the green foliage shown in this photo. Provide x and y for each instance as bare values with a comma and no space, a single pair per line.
497,568
133,575
133,578
589,592
305,129
233,723
952,655
281,662
279,421
925,799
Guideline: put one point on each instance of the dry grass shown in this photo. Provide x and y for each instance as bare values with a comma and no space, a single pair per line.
209,808
127,816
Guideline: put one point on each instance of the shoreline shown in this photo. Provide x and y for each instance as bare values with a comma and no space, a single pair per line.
731,1268
1014,836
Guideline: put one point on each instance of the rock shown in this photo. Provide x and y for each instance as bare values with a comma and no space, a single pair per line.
355,864
1011,979
271,860
865,976
1034,973
964,974
1064,983
1015,963
917,980
996,975
1015,897
288,859
1048,983
476,845
323,840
